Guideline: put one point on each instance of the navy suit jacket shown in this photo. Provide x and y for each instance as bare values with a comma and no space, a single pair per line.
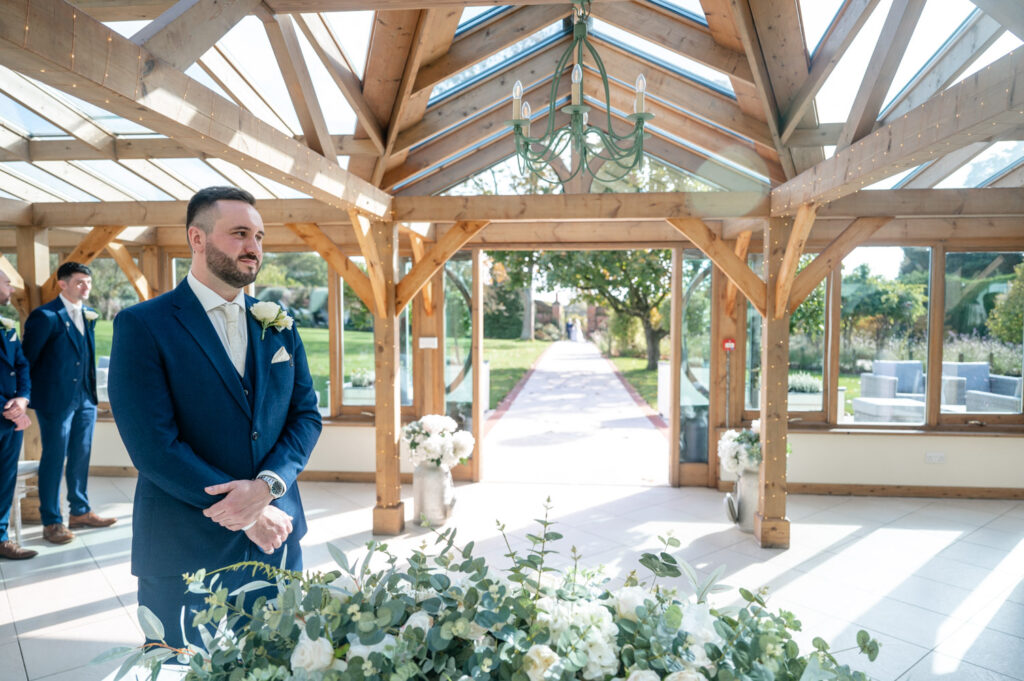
15,380
181,411
55,352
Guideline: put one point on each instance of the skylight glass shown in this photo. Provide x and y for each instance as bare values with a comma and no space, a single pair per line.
23,187
759,175
656,53
691,8
352,30
892,180
499,60
939,21
474,16
198,174
243,92
50,182
196,72
282,191
835,98
982,167
1006,43
126,28
240,178
112,123
5,195
122,177
815,18
26,121
338,113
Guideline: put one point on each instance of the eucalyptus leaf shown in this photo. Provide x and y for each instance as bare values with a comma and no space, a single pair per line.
151,625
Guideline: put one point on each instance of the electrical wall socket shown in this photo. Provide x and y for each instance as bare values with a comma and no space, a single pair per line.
935,457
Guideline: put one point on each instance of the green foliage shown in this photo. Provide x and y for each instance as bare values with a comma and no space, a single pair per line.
881,307
1006,321
503,311
448,615
803,382
626,335
809,317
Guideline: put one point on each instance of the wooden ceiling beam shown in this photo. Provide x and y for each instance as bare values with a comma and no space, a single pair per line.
15,212
319,241
14,146
120,254
823,135
983,106
222,68
844,28
361,227
451,173
91,245
705,168
505,31
284,41
114,73
798,235
26,188
741,248
669,30
187,29
85,180
439,254
320,37
1007,12
885,59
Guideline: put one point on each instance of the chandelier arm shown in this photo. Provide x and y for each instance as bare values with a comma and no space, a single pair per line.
604,82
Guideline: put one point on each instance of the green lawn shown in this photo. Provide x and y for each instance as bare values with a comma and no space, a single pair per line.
643,381
510,360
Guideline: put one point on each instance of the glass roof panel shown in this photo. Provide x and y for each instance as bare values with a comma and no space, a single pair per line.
129,182
282,191
474,16
194,172
982,167
25,120
835,98
498,61
656,53
815,18
892,180
692,9
352,30
5,195
196,72
341,119
112,123
938,23
1006,43
126,28
51,183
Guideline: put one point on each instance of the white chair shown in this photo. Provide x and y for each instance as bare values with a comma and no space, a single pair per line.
26,469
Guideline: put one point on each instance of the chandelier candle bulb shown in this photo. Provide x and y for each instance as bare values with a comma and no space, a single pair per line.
577,80
526,118
517,100
641,89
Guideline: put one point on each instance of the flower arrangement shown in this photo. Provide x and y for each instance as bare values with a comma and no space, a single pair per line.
450,616
436,439
740,450
270,315
362,378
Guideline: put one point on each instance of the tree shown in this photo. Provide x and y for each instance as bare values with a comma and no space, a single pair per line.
809,317
881,306
632,283
1006,322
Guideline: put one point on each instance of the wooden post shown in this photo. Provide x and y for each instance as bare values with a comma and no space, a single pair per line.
771,527
151,264
335,343
33,247
428,362
676,475
389,513
480,400
833,290
936,323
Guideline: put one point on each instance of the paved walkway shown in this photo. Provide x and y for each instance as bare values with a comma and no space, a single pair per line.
575,422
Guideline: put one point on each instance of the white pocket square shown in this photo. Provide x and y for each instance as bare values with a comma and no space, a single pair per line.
280,356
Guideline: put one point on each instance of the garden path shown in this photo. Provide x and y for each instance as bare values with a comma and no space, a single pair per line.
575,422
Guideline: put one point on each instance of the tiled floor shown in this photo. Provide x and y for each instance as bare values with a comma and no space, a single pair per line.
939,582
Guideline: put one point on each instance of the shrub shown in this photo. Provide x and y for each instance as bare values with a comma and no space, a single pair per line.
804,383
548,332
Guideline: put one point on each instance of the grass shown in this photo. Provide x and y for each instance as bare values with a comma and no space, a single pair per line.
643,381
510,360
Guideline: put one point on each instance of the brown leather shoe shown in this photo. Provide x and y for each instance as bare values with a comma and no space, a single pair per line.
11,551
57,534
90,519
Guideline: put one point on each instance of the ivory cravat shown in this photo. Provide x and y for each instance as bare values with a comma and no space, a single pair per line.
76,319
236,347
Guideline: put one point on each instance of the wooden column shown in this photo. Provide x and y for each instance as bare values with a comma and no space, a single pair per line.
676,471
771,527
833,308
479,398
33,247
389,513
428,362
152,267
335,336
936,324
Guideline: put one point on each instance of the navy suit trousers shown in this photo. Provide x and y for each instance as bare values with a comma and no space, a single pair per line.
10,449
66,436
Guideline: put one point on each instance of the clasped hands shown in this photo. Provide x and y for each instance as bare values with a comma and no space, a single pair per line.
14,410
247,505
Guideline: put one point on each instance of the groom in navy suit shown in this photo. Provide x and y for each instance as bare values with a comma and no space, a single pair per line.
60,345
216,407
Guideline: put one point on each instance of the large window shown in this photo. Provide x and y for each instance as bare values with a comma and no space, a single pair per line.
458,342
883,343
983,333
695,379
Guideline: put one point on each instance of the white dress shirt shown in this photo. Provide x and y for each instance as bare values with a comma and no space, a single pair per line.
75,312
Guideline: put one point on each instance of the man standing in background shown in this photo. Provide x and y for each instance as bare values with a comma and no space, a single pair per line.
14,392
60,346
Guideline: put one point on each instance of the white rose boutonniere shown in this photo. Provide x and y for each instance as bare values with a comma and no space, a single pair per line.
271,316
7,324
90,315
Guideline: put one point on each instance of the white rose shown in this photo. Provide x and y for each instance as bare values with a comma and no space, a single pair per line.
538,660
6,323
686,675
313,656
287,322
339,665
643,675
699,623
627,600
755,426
90,315
265,311
357,649
419,620
462,444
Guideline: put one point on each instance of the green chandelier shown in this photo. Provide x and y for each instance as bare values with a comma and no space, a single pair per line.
586,142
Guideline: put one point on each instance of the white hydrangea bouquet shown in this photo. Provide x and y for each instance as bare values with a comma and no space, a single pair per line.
740,450
450,617
436,439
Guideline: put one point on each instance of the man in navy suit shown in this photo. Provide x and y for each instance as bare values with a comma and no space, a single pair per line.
218,413
60,345
14,391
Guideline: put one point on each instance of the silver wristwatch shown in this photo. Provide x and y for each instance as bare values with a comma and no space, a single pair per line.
277,488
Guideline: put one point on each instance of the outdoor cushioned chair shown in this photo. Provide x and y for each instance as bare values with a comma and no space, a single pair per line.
985,392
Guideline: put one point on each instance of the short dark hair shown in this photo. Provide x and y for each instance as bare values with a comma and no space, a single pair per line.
65,271
204,198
